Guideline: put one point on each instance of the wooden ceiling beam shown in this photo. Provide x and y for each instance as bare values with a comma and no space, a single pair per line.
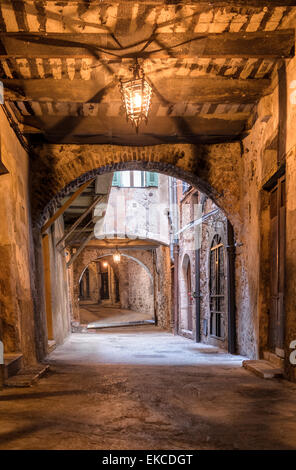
189,89
91,130
206,3
261,44
65,206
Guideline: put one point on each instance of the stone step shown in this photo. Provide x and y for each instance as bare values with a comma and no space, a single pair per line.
13,363
263,369
274,359
27,376
99,325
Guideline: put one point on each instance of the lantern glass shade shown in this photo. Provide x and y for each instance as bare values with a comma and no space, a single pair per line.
136,96
116,257
105,264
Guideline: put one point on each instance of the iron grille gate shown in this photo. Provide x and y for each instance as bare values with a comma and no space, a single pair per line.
217,298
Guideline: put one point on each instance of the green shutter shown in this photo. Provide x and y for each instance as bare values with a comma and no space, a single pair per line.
151,179
116,179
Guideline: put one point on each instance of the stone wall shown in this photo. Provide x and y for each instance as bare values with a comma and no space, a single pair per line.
270,144
141,295
17,284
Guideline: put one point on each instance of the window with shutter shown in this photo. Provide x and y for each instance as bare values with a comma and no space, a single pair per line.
151,179
116,179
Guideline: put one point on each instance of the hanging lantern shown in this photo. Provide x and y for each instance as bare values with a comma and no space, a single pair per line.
116,257
136,96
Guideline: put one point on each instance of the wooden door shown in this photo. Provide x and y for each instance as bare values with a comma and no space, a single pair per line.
277,266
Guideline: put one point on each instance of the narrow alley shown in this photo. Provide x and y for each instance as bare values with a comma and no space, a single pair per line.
147,226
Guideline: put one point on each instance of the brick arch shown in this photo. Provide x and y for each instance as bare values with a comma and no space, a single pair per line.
58,169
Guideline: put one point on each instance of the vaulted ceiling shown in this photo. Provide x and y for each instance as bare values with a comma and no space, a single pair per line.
208,61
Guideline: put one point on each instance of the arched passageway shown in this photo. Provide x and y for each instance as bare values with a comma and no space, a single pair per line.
122,293
192,302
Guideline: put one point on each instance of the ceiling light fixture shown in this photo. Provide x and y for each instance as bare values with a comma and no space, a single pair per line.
116,256
136,96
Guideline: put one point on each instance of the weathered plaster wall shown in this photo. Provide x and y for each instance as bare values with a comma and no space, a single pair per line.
16,280
138,212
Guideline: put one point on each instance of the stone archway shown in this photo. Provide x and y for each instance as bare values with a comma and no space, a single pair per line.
59,169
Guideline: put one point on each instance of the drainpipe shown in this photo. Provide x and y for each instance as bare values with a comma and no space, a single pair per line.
231,289
155,285
176,289
197,298
2,371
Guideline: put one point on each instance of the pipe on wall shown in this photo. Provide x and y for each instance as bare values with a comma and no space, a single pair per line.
231,289
176,288
197,295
